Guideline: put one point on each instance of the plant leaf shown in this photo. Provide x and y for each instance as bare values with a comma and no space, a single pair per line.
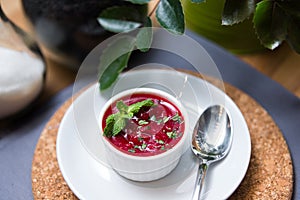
170,16
291,8
109,125
144,37
270,23
197,1
119,125
114,125
293,37
114,59
134,108
237,11
119,19
116,122
172,134
122,107
139,1
177,118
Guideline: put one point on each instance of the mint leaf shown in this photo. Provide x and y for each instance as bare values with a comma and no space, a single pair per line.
165,119
170,16
159,121
270,23
160,142
131,150
135,108
122,107
292,8
139,1
109,125
144,36
144,145
119,19
237,11
171,135
116,122
176,118
143,122
114,59
153,118
118,125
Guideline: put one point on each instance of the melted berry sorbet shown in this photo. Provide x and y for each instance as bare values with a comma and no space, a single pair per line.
150,130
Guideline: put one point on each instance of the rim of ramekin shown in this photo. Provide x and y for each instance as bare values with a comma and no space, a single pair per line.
166,95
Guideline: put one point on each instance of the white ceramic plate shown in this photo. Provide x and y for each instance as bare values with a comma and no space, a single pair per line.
81,156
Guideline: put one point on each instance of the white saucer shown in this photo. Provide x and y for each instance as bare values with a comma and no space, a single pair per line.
83,166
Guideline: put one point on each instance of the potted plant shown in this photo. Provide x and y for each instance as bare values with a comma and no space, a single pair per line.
274,21
246,26
69,30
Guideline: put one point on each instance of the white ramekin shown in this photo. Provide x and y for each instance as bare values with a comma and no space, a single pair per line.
148,168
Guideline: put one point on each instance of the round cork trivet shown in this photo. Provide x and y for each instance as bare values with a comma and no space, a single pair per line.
269,176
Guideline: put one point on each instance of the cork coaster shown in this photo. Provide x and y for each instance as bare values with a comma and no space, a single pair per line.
269,176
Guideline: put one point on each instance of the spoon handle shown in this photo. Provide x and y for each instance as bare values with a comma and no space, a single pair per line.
200,180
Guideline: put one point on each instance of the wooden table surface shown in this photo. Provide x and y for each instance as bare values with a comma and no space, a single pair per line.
282,64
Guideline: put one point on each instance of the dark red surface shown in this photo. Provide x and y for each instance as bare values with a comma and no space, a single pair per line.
152,138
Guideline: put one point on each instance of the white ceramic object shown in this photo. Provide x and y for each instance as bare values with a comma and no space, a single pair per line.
144,168
21,80
86,171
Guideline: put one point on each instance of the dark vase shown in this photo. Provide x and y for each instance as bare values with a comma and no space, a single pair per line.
69,30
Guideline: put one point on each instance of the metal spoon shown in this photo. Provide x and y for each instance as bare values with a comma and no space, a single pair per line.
212,138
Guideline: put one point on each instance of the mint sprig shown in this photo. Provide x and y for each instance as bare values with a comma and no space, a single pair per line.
117,121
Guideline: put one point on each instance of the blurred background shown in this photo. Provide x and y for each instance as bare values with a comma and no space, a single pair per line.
66,31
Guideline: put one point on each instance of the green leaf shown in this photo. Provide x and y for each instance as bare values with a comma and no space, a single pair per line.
119,125
165,119
172,134
143,122
114,59
109,125
237,11
160,142
139,1
131,150
177,118
122,107
144,37
114,125
135,108
118,26
144,146
293,37
291,8
111,74
119,19
153,118
270,23
116,122
170,16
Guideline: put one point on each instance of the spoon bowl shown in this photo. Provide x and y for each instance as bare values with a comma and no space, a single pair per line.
212,139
